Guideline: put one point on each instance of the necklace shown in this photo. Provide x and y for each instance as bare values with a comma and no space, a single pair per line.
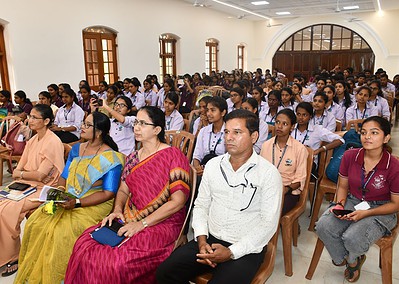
77,165
141,154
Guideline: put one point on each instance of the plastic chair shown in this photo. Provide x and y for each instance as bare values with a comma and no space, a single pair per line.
182,140
289,222
182,239
324,186
266,268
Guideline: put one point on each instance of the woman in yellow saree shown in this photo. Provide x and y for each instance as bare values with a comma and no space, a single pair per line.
92,174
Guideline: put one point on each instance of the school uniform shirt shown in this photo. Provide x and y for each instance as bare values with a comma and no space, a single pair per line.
138,100
161,98
353,112
290,160
102,95
390,88
337,111
291,106
208,141
262,108
72,117
307,98
230,105
267,117
123,134
327,120
263,134
314,135
382,106
174,121
383,180
151,96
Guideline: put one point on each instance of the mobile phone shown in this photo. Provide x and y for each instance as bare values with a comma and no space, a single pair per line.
100,102
115,225
19,186
341,212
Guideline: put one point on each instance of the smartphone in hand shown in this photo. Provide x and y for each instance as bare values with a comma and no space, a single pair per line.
341,212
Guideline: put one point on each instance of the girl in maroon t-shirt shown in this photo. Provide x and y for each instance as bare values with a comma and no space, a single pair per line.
367,186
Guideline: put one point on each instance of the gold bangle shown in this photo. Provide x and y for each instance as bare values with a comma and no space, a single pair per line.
144,223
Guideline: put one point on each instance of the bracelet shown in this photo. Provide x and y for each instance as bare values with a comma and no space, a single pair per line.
144,223
325,148
61,187
22,174
340,202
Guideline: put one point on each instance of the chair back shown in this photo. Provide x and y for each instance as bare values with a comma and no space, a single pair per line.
193,189
182,140
391,101
354,123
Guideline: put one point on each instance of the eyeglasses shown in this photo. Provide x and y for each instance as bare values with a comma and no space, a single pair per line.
241,184
142,123
35,118
375,89
86,125
120,105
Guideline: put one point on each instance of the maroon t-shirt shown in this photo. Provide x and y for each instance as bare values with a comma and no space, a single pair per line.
383,182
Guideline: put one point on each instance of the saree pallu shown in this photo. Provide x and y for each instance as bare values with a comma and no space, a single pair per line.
48,239
150,182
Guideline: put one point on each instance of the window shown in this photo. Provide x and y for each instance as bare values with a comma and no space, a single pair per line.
240,57
167,55
211,55
99,46
324,38
4,79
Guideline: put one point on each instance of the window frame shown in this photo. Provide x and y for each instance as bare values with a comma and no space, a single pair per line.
240,58
99,35
167,55
211,55
5,79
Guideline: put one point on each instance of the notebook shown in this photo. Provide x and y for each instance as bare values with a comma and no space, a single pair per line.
16,195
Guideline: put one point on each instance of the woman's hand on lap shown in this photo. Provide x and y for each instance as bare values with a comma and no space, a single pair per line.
112,216
130,229
357,215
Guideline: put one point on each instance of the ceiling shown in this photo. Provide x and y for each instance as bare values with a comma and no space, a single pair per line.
297,8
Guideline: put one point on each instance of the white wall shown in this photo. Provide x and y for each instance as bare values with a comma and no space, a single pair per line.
378,31
44,37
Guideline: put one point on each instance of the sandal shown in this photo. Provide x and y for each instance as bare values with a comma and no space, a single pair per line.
350,271
8,271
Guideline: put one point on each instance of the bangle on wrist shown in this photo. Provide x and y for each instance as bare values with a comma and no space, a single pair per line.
144,222
325,148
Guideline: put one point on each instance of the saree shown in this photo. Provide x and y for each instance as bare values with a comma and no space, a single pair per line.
35,157
48,239
150,183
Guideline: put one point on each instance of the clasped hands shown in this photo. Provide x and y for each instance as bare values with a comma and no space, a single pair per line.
213,254
128,230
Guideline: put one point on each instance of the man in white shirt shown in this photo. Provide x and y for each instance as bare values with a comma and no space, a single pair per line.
235,214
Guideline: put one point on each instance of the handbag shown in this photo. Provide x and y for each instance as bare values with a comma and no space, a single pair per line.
108,235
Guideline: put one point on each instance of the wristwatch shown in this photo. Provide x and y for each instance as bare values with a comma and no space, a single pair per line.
77,203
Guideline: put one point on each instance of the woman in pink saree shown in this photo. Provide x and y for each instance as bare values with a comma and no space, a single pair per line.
150,202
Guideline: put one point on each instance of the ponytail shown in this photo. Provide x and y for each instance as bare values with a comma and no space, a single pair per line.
109,141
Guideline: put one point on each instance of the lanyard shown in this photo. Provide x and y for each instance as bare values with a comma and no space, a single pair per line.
306,136
364,113
365,183
271,120
168,122
282,155
217,142
314,119
66,112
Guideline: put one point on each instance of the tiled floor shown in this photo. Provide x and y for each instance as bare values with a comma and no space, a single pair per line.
325,272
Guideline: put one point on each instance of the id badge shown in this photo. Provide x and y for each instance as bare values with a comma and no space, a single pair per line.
362,206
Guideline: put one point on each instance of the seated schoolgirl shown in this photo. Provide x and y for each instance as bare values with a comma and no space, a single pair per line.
368,185
56,99
361,110
46,99
24,104
377,100
288,99
259,96
137,98
126,87
236,97
69,118
6,103
174,120
331,106
252,105
84,103
210,140
202,118
168,86
150,96
112,93
320,115
102,90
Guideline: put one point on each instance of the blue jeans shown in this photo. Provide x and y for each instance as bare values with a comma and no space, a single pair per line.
349,239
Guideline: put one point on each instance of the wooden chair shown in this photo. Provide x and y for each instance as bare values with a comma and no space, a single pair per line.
355,123
182,140
289,222
266,268
338,126
325,186
386,247
391,101
182,239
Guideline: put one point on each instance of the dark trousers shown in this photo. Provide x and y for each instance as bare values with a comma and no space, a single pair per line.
182,266
66,137
290,200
